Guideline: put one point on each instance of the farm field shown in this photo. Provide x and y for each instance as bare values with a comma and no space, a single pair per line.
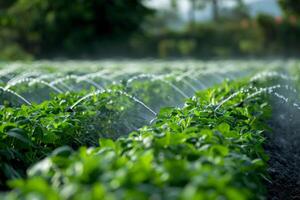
150,129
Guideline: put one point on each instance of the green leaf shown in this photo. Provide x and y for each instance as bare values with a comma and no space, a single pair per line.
19,135
223,128
62,151
222,150
107,143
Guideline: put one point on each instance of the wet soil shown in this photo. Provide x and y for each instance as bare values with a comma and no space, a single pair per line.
283,148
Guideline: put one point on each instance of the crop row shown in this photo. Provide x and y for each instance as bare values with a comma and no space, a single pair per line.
211,148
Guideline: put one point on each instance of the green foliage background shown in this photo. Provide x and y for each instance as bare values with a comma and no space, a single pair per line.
46,26
100,28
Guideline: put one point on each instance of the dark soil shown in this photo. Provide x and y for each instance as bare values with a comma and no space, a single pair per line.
283,148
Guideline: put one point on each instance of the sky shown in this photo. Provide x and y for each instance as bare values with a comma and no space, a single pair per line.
184,5
266,6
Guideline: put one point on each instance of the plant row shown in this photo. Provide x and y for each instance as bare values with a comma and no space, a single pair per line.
209,149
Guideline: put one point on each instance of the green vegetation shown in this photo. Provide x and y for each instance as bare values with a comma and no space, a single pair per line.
92,29
193,133
196,152
148,129
290,7
44,27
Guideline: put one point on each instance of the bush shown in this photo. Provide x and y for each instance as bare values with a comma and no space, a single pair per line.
50,25
14,52
280,35
10,49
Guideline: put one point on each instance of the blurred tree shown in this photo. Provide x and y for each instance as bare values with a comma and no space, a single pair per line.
163,20
4,4
241,11
215,9
290,7
43,25
237,13
195,5
214,5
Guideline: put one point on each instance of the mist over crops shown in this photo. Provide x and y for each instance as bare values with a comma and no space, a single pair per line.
149,99
144,129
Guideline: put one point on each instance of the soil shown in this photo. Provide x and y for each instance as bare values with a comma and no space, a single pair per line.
283,148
